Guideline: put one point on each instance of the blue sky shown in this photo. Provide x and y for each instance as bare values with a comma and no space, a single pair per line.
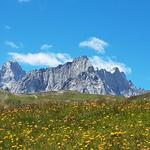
42,33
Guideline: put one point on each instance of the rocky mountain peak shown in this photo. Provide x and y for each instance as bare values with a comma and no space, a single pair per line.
10,73
115,70
82,63
9,65
78,75
80,59
13,69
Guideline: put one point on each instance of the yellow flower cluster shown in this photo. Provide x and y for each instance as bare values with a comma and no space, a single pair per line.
90,125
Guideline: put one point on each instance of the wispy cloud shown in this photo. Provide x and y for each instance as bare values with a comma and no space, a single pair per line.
54,59
109,64
7,27
94,43
12,44
23,1
46,47
44,59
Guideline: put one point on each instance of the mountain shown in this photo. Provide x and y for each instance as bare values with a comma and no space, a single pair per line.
78,75
10,73
102,82
52,79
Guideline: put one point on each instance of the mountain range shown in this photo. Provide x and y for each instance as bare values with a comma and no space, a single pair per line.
78,75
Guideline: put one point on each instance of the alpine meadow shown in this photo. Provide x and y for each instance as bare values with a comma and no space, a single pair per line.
74,75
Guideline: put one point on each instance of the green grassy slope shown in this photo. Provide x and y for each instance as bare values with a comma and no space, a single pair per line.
74,121
8,99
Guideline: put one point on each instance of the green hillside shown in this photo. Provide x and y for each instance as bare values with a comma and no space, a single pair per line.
7,99
74,121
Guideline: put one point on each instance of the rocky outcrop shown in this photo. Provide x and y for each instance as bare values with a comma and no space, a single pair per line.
78,75
10,73
102,82
52,79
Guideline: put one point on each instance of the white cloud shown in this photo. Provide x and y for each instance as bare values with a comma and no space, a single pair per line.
109,64
12,44
46,47
23,1
55,59
45,59
97,44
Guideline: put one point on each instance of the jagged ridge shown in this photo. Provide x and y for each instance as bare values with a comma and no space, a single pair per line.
78,75
10,73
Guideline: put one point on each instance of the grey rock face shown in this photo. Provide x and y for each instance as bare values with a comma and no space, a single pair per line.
10,73
102,82
78,75
116,81
88,82
52,79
